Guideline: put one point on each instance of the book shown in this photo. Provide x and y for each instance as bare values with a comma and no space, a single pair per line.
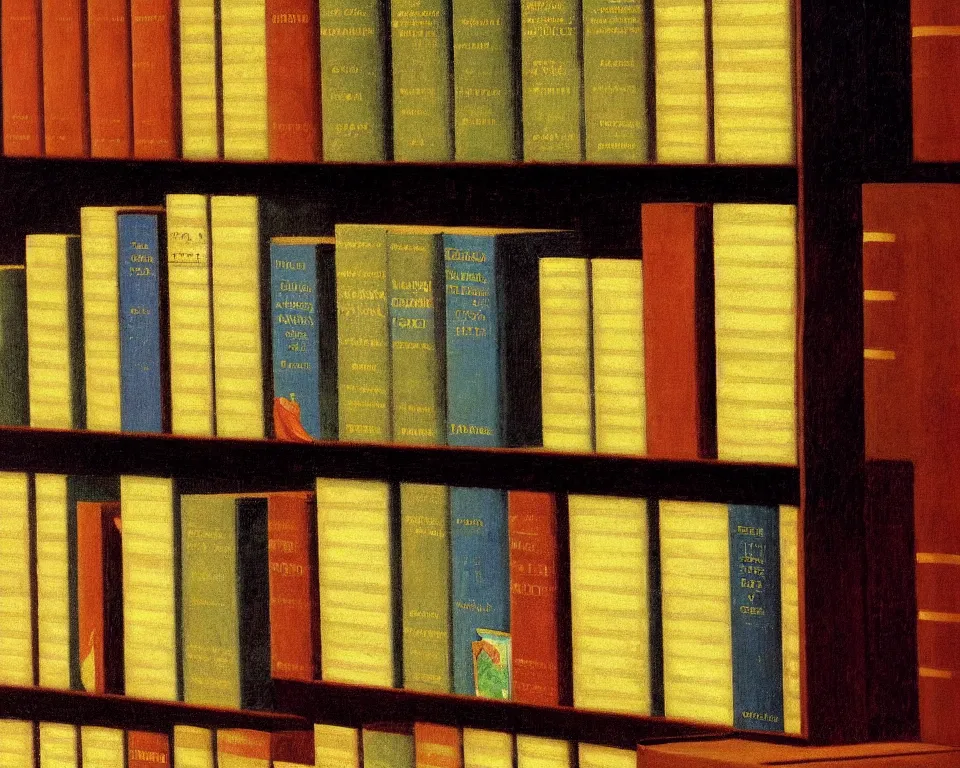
336,746
65,114
683,120
551,81
16,567
420,38
189,312
538,752
193,747
363,327
753,72
487,749
20,54
537,625
755,273
357,578
599,756
109,71
293,81
353,74
678,330
616,116
16,743
15,404
619,373
155,79
388,746
151,583
243,79
55,338
613,604
225,587
58,745
99,596
437,746
486,81
425,587
292,748
146,749
790,617
238,319
102,747
199,83
565,354
243,748
934,58
303,301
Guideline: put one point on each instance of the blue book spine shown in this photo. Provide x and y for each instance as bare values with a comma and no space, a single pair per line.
755,618
480,556
141,365
295,336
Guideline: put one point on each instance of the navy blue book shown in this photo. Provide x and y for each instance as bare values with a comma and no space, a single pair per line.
755,618
142,331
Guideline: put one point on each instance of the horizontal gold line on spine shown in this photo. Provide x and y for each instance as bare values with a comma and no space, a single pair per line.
937,558
938,617
936,31
879,295
940,674
879,237
879,354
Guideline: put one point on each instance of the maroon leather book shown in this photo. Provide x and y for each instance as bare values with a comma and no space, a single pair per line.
65,115
936,80
108,57
20,73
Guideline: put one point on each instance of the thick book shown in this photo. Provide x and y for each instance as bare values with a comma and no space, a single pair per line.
487,749
303,332
146,749
20,52
108,61
15,403
486,81
58,745
293,80
551,81
600,756
155,79
540,752
16,574
683,119
388,746
193,747
437,746
64,63
935,70
225,601
55,334
420,41
336,746
678,330
243,79
17,743
101,747
616,117
353,72
357,578
242,748
200,91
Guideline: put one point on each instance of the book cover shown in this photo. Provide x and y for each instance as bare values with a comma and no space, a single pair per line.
58,745
155,83
146,749
243,79
487,749
437,746
15,403
790,617
109,86
388,746
336,746
538,752
935,74
20,53
101,747
292,748
243,748
17,743
193,747
64,64
17,618
200,91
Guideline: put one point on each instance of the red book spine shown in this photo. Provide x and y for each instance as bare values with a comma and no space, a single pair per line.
936,80
65,123
108,47
293,614
156,92
534,598
20,73
147,750
293,80
437,746
293,747
678,331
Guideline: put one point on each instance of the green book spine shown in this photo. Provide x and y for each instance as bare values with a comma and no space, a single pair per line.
417,345
485,81
425,565
551,81
14,408
420,38
615,81
363,351
386,749
353,97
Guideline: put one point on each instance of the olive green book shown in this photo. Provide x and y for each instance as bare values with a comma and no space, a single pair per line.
388,746
14,405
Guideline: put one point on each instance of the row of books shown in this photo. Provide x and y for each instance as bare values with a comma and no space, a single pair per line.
427,335
151,588
371,80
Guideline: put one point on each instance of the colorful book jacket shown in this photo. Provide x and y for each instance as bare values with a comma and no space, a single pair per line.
935,63
17,619
155,79
20,53
109,71
15,403
147,750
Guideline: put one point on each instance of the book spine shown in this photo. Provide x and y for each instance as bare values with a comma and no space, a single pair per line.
336,746
141,323
754,119
538,752
251,528
790,618
935,50
243,70
417,348
682,111
598,756
65,116
21,75
14,406
293,80
437,746
487,749
755,618
238,328
425,587
552,81
101,747
191,339
383,749
199,82
58,745
243,748
147,750
193,747
616,123
16,609
353,73
108,55
91,596
17,743
420,39
155,86
363,351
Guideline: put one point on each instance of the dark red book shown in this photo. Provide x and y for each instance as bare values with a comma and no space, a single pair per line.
294,747
534,598
147,750
156,80
108,57
936,80
678,333
65,115
293,80
437,746
20,74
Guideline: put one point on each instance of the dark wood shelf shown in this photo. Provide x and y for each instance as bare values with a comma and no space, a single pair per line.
275,465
